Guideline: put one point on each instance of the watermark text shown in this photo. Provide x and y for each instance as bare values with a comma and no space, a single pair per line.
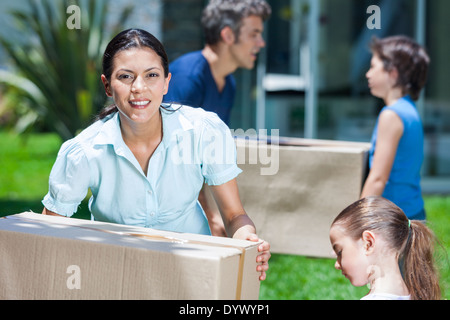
74,20
374,21
74,280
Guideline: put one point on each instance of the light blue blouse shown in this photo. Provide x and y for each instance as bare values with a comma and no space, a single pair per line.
196,147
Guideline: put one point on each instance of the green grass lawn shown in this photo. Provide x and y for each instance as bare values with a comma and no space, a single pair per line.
25,165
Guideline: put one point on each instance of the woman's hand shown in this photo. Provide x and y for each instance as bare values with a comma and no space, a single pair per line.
263,248
263,257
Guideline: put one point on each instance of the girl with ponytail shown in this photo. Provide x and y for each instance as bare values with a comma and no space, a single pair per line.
377,244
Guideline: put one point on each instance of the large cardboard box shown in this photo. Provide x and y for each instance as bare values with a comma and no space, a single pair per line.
47,257
294,188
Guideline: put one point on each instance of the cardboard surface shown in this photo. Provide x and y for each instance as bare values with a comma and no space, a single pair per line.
47,257
294,208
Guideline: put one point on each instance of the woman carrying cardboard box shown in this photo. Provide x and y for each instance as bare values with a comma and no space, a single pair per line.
397,75
145,162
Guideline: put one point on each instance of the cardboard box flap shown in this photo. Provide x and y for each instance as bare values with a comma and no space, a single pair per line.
118,234
288,142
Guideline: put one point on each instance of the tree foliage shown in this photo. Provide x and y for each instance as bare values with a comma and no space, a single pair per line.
57,69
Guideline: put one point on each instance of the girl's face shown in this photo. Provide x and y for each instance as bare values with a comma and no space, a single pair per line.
380,81
351,257
137,84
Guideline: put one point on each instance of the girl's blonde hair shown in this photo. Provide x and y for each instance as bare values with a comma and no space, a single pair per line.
413,241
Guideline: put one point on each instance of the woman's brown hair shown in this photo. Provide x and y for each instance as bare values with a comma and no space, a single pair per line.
412,240
408,57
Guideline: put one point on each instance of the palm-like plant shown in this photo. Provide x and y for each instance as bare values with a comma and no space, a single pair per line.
58,69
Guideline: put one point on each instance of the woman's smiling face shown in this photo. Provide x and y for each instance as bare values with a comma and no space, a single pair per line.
137,84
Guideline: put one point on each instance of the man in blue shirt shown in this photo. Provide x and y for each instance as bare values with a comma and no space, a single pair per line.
233,36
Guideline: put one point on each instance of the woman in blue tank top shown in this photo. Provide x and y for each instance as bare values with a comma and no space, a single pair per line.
398,72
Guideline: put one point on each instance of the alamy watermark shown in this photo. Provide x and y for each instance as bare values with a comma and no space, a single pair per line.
74,280
74,20
374,21
263,149
218,149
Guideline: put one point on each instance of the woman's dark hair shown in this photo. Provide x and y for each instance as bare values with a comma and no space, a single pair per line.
125,40
408,57
412,240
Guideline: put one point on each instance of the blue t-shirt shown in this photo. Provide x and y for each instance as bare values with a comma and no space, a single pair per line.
192,84
196,147
403,187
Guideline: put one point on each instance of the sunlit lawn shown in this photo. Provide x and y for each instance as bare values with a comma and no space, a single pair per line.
25,164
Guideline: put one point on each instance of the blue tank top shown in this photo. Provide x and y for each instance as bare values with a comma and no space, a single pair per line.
403,187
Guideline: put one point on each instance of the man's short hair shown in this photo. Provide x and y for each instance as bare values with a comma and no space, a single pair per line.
230,13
